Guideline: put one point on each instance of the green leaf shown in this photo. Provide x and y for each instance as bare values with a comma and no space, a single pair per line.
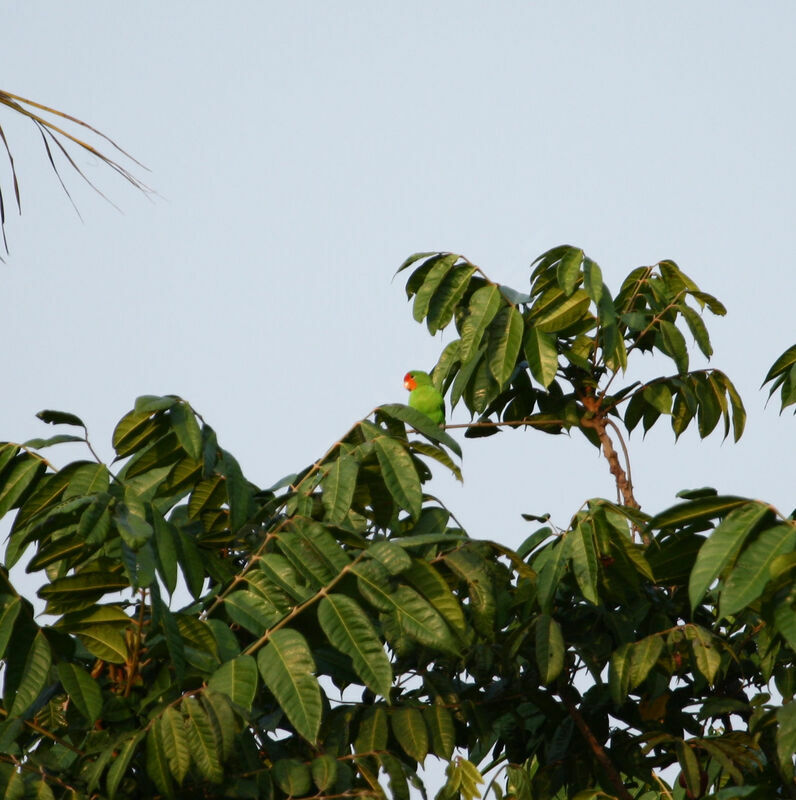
550,571
413,258
324,771
238,494
135,530
286,666
722,547
414,615
174,738
399,474
12,786
427,580
700,510
60,418
786,737
659,396
549,648
85,583
183,420
422,424
447,296
504,342
157,764
619,671
410,731
644,655
431,283
583,553
82,689
706,656
439,722
34,676
136,430
166,548
7,617
338,486
349,630
40,444
698,329
372,733
20,478
568,270
313,551
202,740
292,776
674,345
471,567
752,571
237,679
690,768
484,305
592,280
219,709
119,766
555,312
540,350
105,642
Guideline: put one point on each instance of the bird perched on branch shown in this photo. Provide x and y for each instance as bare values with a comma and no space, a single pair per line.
424,396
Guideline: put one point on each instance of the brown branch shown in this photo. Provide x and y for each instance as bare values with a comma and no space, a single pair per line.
597,748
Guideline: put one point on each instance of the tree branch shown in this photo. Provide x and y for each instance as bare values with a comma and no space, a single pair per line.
597,748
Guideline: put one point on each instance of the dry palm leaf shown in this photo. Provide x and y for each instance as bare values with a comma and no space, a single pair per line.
54,134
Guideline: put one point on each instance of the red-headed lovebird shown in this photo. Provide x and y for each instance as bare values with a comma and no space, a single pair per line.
424,396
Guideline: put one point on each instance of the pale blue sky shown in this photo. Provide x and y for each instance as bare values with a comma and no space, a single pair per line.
302,150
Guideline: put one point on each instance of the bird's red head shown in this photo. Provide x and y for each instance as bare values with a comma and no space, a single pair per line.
409,382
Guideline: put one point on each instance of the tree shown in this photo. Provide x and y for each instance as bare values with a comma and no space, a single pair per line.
341,626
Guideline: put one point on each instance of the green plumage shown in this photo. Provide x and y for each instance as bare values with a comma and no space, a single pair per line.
424,396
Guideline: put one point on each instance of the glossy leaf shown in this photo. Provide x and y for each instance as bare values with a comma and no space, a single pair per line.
504,342
187,429
23,474
752,572
349,630
373,731
157,764
202,740
542,355
549,648
484,305
446,298
237,679
105,642
410,731
7,616
706,656
399,474
338,485
568,270
722,547
60,418
286,666
82,689
422,424
430,285
174,739
292,776
119,766
34,677
442,731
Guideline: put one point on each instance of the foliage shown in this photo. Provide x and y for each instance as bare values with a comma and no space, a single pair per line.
341,627
55,136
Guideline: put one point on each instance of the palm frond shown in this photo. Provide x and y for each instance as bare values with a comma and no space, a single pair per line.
55,133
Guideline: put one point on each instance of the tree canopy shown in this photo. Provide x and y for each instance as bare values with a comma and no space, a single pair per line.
340,626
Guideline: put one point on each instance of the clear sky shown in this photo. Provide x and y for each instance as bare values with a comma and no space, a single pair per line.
301,150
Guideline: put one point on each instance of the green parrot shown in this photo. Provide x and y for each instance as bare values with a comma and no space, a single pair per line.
424,396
